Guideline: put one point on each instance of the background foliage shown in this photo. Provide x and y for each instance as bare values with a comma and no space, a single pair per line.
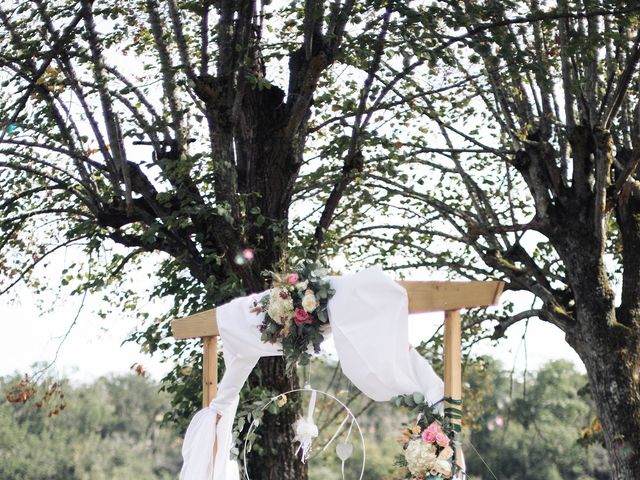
109,429
112,429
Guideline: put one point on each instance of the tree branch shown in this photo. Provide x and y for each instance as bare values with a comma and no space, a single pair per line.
181,43
57,47
114,133
26,270
353,162
623,85
505,323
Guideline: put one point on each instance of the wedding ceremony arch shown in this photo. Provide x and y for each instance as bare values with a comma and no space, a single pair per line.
423,297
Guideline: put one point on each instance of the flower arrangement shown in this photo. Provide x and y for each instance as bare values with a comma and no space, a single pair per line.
429,451
296,312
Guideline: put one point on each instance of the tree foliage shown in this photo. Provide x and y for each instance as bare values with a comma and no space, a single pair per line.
530,429
482,139
516,157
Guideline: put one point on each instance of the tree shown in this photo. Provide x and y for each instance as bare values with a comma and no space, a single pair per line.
521,164
153,126
160,127
528,429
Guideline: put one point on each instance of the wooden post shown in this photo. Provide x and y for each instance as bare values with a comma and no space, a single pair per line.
453,368
209,369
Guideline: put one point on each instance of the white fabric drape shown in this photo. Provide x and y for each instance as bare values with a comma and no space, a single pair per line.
242,348
369,320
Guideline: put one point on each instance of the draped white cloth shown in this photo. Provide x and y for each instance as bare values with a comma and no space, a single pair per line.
369,320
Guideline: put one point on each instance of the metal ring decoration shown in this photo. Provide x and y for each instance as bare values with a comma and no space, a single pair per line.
253,426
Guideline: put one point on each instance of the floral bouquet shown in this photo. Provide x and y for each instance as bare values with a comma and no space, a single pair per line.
296,312
429,453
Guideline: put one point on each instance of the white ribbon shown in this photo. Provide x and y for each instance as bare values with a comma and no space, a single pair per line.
306,429
336,433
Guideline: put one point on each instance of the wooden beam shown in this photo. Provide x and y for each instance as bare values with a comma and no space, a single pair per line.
439,296
423,297
201,324
209,369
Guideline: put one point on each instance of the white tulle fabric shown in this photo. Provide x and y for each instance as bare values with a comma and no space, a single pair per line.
369,321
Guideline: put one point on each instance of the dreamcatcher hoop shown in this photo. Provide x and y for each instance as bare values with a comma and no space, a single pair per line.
350,414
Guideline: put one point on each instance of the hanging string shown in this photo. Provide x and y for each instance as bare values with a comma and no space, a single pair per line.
350,414
312,405
350,428
468,442
346,442
336,433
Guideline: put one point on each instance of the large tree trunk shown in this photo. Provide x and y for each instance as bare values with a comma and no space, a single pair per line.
268,160
276,459
257,134
610,350
614,377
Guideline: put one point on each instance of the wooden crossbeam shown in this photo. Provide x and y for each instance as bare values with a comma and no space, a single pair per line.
449,297
423,297
203,324
444,296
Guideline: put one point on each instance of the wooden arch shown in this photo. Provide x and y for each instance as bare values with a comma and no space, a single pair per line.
449,297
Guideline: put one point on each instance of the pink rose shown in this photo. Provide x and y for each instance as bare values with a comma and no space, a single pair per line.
429,436
293,278
302,317
430,433
434,427
442,439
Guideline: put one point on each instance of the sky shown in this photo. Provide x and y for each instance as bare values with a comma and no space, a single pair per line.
94,346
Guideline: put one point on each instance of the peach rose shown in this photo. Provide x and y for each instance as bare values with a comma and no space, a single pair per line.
442,439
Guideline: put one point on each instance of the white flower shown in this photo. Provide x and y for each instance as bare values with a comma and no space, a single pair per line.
306,431
443,467
302,285
421,457
280,305
274,294
309,302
